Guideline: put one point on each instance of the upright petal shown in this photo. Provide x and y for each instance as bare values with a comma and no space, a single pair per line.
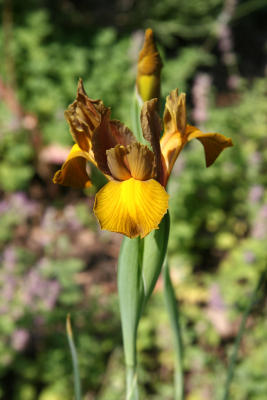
149,68
116,163
73,172
141,162
174,137
83,116
151,127
174,117
171,146
106,136
213,143
135,160
131,207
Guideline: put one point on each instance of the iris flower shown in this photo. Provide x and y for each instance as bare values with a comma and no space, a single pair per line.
134,200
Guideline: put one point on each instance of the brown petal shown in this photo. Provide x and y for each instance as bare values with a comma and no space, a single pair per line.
121,133
174,117
151,127
116,163
141,162
213,143
107,135
83,116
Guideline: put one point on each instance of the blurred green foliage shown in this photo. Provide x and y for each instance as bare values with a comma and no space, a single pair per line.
218,235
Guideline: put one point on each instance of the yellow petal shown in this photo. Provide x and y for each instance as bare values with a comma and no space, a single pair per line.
213,143
174,137
73,171
131,207
171,145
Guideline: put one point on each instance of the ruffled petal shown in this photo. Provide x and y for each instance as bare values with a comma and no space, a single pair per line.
131,207
213,143
151,127
174,117
174,137
116,163
106,136
83,116
73,171
141,162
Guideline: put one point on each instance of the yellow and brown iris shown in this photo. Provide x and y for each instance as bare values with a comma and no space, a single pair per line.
134,200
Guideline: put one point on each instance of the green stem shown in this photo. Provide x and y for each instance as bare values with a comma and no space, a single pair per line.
242,328
131,384
173,311
77,383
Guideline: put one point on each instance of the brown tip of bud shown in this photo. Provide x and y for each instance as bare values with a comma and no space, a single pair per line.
149,61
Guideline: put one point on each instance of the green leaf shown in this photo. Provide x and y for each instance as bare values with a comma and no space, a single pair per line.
130,294
155,247
173,311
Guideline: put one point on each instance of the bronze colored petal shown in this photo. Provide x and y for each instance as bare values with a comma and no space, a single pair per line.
107,135
174,117
83,116
116,163
213,143
151,127
103,140
141,162
121,133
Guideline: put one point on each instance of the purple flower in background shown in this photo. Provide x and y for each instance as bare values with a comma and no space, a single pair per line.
255,159
201,90
9,258
19,339
249,257
53,289
216,300
259,230
256,193
4,206
22,204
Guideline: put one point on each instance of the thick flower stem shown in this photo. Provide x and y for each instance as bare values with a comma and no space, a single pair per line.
131,383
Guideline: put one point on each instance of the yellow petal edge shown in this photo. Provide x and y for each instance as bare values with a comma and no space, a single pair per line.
131,207
73,172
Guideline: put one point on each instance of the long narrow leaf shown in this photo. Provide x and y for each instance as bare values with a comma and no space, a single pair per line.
173,311
77,382
242,328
